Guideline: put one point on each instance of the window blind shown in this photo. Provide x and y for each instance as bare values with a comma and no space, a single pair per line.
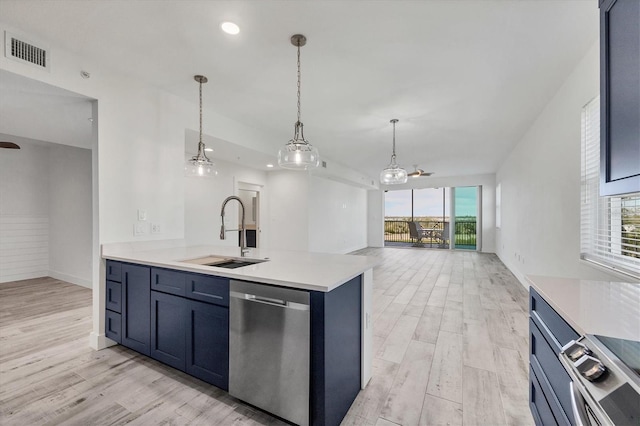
609,226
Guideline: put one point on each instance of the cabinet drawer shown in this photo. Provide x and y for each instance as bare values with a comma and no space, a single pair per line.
114,271
208,289
167,281
114,296
542,414
561,332
113,326
551,375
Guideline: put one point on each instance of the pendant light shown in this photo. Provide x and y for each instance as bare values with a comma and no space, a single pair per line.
200,165
298,154
393,174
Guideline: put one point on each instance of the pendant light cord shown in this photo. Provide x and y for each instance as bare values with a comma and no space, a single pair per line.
200,115
299,75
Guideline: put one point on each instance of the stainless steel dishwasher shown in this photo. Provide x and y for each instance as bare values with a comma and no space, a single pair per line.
269,349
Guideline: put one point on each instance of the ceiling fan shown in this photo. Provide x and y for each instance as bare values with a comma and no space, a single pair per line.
418,172
9,145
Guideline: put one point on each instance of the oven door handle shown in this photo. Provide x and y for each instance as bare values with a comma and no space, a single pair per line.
577,406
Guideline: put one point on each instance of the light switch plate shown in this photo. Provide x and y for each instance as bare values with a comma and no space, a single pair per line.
142,215
140,228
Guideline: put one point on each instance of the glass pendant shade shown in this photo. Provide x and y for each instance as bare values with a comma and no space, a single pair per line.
298,154
393,174
200,165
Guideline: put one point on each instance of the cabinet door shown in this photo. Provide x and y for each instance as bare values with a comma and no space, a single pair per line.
619,97
208,343
136,318
168,324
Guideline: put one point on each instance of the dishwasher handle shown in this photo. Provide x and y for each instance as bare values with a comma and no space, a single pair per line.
269,301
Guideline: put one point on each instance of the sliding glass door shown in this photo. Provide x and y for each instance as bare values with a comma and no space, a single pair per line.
466,217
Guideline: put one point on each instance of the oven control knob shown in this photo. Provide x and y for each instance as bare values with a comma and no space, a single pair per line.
590,368
575,350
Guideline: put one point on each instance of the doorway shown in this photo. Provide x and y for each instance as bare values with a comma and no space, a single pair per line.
250,195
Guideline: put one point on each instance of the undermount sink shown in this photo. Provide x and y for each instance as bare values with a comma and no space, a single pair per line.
235,263
224,262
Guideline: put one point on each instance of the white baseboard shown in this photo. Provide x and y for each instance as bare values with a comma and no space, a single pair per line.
70,279
100,341
23,276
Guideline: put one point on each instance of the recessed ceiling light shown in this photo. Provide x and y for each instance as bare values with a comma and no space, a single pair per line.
230,28
269,165
209,149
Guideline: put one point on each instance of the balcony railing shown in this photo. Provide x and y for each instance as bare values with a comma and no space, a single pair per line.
397,231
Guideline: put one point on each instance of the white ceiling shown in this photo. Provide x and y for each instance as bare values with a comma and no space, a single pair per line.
466,78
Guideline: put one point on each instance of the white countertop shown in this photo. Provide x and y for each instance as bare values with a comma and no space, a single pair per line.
594,307
296,269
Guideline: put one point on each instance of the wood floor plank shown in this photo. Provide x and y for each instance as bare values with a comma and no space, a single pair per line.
396,344
406,397
429,325
440,412
482,403
477,346
445,377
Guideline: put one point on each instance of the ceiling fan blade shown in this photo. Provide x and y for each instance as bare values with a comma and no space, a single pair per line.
9,145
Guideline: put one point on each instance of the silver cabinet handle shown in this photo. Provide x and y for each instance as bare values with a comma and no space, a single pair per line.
269,301
578,412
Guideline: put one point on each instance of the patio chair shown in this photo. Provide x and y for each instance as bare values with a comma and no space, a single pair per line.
417,232
443,236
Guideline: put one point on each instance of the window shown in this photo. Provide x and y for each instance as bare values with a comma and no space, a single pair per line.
610,226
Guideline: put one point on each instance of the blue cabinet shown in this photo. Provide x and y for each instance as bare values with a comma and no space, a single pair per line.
207,340
168,315
190,324
136,304
619,97
335,352
191,336
549,396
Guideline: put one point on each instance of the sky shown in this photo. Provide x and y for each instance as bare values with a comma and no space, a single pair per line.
428,202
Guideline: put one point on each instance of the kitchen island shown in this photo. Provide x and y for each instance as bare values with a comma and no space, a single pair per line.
165,303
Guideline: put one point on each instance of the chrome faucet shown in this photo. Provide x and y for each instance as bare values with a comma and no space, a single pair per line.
243,247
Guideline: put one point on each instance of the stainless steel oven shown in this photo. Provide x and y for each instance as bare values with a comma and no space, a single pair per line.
605,375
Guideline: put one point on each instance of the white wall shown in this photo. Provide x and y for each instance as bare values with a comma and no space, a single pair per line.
337,216
204,198
289,210
487,182
24,213
45,213
70,214
540,179
312,213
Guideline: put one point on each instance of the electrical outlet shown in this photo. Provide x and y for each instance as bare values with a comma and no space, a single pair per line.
155,228
140,228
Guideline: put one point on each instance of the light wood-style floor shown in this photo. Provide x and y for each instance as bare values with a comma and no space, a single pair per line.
450,348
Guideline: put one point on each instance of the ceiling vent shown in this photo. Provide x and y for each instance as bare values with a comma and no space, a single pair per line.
23,51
